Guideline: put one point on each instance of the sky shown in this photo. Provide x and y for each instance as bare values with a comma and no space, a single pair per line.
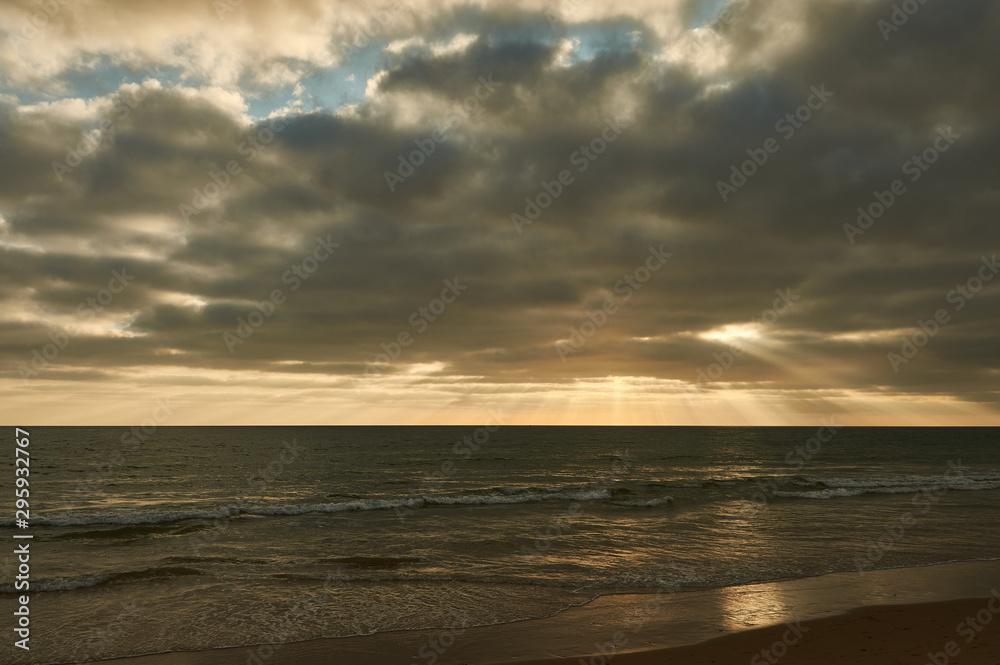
683,212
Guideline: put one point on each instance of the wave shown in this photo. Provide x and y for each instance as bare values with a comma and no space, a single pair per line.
374,562
645,503
731,481
528,497
912,480
86,581
809,487
127,532
383,574
848,487
205,559
230,512
137,524
971,481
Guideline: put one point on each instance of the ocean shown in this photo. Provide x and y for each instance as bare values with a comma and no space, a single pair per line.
181,538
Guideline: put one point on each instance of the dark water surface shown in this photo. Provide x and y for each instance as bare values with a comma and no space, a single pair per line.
206,537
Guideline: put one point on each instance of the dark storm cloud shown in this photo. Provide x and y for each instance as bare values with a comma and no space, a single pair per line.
323,176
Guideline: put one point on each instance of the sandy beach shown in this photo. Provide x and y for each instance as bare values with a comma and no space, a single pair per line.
883,635
895,617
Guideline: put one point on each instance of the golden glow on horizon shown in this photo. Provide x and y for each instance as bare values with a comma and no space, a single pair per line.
207,397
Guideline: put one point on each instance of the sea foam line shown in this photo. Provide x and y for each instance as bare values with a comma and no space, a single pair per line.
302,509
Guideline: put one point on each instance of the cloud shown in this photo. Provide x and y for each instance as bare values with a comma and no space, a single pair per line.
687,114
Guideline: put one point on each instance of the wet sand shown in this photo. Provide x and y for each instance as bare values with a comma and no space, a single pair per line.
882,635
894,617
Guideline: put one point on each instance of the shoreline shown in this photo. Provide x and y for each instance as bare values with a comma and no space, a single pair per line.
683,624
870,635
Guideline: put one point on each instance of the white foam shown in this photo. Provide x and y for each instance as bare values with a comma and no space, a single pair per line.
84,519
